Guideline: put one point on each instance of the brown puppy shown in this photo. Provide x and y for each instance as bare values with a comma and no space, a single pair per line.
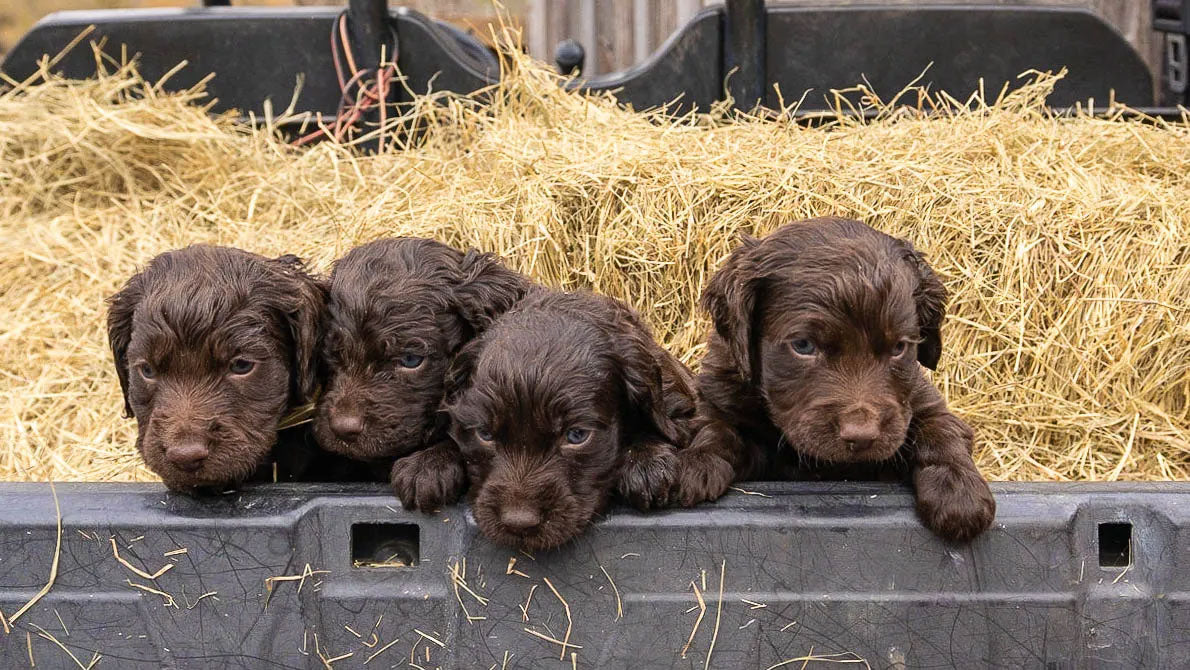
566,399
398,311
812,372
213,346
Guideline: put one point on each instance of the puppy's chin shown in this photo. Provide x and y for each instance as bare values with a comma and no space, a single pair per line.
201,481
229,465
563,520
821,443
364,448
375,443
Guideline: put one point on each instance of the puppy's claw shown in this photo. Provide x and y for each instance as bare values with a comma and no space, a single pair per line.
648,474
954,502
429,479
702,476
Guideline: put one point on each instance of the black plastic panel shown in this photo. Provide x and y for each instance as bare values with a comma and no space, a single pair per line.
257,54
832,567
825,48
687,70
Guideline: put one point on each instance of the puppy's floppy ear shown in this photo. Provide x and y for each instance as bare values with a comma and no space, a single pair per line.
486,289
730,298
120,309
304,299
458,375
930,298
656,384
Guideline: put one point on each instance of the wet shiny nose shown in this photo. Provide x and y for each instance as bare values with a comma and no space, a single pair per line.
347,426
859,429
520,519
188,455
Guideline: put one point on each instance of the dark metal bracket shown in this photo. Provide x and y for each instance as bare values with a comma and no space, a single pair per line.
368,22
1172,18
744,39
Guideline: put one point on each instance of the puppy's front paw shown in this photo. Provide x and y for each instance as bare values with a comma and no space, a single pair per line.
954,502
648,475
702,475
430,478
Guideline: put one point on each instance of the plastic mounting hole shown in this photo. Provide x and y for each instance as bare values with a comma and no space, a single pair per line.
1115,545
384,545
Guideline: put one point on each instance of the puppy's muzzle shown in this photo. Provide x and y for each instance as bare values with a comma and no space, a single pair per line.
860,427
520,519
346,426
188,454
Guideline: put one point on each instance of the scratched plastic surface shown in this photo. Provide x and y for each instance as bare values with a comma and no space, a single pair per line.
838,571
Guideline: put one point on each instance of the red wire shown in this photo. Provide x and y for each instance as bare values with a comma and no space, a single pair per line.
335,55
366,98
347,42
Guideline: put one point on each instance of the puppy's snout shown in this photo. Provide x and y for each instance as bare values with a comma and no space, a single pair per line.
520,518
346,425
859,427
188,454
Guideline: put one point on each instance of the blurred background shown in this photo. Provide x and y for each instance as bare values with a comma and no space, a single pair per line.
615,33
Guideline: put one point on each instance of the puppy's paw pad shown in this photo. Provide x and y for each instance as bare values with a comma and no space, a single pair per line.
955,503
702,476
648,475
428,479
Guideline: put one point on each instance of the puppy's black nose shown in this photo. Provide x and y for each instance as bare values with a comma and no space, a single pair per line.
188,454
520,519
347,426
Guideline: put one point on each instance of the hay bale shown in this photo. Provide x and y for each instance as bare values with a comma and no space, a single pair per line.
1066,242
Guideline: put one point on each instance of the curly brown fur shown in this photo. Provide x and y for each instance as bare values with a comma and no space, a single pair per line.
812,371
212,347
398,311
566,400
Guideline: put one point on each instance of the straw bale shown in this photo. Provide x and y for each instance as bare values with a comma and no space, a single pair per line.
1065,242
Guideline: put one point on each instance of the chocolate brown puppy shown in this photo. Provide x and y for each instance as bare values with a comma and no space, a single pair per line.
565,400
397,313
213,346
813,371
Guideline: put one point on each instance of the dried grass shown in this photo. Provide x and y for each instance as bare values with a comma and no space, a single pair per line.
1066,242
12,618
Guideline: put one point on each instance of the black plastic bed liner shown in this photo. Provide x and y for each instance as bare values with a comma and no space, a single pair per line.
1070,576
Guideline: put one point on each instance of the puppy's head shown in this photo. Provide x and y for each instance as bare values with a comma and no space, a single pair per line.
212,346
546,403
829,319
397,311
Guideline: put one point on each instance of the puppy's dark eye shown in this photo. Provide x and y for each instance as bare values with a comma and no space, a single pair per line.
803,347
484,434
410,360
577,435
241,366
899,349
146,370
